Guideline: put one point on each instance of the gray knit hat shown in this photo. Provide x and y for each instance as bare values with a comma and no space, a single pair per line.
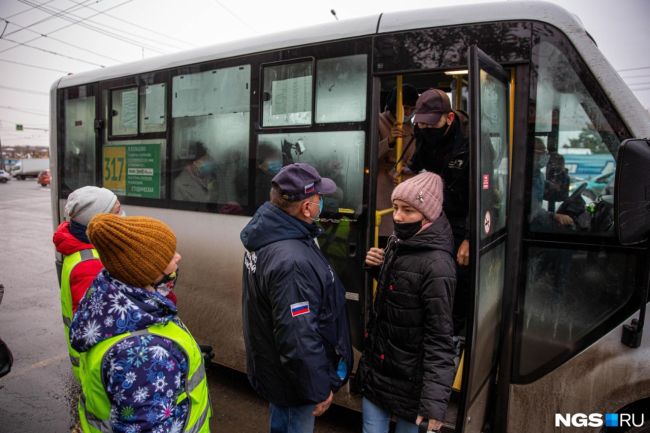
86,202
423,192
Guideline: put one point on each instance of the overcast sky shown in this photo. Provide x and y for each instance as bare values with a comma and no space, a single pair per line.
80,38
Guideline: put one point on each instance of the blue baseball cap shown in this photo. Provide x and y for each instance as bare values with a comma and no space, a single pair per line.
300,180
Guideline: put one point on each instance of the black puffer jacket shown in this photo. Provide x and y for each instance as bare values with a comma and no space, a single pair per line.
407,365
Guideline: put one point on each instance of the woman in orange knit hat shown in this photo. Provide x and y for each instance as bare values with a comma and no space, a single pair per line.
140,368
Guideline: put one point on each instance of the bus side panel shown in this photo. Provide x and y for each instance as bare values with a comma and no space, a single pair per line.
209,283
602,379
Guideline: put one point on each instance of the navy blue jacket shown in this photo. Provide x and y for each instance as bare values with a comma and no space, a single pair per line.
296,327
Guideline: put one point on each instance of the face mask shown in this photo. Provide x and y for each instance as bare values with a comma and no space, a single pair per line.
274,166
320,210
406,231
207,167
541,161
432,136
167,283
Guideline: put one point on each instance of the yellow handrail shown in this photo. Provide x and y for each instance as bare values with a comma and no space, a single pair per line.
399,117
378,216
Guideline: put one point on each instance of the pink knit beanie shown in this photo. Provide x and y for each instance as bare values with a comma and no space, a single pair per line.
423,192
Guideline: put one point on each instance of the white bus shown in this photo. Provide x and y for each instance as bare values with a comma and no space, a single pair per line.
548,304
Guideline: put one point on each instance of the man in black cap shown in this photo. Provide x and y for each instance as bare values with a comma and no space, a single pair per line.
442,147
296,330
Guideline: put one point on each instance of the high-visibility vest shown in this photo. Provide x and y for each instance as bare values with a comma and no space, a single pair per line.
95,406
69,263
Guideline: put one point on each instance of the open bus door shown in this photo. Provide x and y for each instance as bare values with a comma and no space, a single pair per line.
489,142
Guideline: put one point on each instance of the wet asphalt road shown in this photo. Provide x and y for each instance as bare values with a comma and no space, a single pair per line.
39,395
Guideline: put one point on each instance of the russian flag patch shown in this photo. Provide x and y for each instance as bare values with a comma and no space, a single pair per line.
300,308
310,188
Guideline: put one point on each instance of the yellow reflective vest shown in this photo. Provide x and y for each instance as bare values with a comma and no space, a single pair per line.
69,263
95,406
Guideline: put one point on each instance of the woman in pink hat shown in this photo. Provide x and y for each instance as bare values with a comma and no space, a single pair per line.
407,367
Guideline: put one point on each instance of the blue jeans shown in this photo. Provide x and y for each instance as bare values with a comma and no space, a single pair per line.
377,420
291,419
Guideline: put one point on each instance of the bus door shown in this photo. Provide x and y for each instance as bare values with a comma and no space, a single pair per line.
489,142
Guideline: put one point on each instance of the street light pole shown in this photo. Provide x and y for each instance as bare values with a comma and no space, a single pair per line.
2,158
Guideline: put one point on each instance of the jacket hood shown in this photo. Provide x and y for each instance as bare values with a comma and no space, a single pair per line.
438,236
65,242
271,224
111,307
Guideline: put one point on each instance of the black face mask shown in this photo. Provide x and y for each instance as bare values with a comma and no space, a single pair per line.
432,136
406,231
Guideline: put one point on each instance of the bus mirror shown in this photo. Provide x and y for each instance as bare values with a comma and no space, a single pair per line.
632,194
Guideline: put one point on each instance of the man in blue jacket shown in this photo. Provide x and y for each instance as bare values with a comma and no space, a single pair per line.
296,329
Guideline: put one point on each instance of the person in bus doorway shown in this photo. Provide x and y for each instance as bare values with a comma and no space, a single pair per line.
389,131
296,330
197,181
407,367
442,147
141,369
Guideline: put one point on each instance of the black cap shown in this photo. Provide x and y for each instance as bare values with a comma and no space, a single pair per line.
300,180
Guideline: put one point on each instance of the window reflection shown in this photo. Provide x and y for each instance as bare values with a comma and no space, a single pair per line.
568,293
337,155
211,124
573,152
287,98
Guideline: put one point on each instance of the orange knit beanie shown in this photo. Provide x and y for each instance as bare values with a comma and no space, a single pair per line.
134,249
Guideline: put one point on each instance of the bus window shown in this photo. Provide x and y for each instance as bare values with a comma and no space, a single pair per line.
124,114
153,102
79,138
575,290
568,294
337,155
287,98
211,115
574,149
341,89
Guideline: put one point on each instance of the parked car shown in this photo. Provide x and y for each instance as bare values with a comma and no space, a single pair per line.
4,176
44,178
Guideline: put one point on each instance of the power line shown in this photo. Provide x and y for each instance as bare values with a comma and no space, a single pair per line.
630,77
29,9
16,89
36,6
68,43
139,26
50,52
81,21
24,110
639,84
35,66
634,69
235,16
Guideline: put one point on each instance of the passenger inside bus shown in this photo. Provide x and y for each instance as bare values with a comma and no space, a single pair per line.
389,131
269,163
197,180
540,218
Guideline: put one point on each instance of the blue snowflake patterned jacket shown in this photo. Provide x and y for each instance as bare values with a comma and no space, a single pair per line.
143,374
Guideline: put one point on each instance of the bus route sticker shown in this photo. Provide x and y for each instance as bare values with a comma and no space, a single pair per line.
487,222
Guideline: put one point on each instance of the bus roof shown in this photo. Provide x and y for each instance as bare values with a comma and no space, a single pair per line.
633,113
